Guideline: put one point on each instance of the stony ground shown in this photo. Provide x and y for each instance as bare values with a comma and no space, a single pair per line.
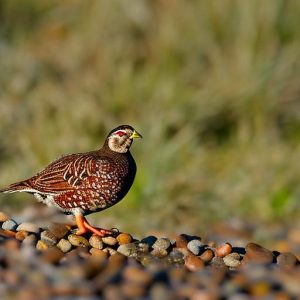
53,262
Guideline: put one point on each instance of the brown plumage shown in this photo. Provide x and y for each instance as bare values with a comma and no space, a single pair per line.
84,183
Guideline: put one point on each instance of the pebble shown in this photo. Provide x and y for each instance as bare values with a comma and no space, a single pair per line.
137,275
223,250
258,254
195,246
149,240
98,253
78,241
286,260
207,255
124,238
128,249
3,216
109,240
181,241
52,255
20,235
232,260
64,245
176,257
193,263
41,245
29,227
48,237
161,244
59,230
159,252
96,242
9,225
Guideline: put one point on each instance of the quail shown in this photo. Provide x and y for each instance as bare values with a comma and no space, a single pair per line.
84,183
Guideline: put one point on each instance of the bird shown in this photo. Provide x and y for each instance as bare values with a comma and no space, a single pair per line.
83,183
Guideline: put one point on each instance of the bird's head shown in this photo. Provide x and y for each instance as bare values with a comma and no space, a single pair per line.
120,139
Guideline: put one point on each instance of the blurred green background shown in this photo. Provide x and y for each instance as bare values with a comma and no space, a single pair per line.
213,86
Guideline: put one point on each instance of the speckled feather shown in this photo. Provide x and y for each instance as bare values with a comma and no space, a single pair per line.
88,182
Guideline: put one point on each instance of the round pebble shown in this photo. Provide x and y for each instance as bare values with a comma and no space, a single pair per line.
78,241
29,227
41,245
159,252
195,246
128,249
59,230
286,260
207,255
223,250
9,225
258,254
161,244
232,260
3,216
194,263
109,240
64,245
181,241
96,242
137,275
48,237
21,235
124,238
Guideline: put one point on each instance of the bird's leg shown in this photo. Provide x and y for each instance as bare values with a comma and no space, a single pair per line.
84,226
80,224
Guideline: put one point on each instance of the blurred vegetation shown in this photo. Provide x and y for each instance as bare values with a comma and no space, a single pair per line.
213,86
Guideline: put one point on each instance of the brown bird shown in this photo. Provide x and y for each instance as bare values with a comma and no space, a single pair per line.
85,183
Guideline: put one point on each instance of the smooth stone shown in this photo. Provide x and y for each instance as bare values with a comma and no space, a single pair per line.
218,263
128,249
195,246
193,263
207,255
143,248
110,251
96,242
109,240
48,237
98,253
223,250
137,275
175,257
149,240
59,230
162,244
21,235
258,254
9,224
3,216
78,241
41,245
30,227
286,260
52,255
64,245
124,238
232,260
159,252
181,241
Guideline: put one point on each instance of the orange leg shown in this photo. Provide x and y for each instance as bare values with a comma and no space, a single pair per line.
84,226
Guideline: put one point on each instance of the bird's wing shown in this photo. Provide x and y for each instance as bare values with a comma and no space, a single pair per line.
69,173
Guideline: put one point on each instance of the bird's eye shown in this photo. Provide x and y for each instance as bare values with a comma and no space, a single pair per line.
120,133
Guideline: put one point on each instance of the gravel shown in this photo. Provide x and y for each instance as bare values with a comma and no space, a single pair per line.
150,268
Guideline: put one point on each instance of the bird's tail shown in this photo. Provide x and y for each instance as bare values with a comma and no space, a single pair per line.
21,186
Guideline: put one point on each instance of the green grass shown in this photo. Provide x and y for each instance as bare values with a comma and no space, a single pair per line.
212,86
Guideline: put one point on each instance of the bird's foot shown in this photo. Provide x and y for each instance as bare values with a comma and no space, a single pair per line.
84,226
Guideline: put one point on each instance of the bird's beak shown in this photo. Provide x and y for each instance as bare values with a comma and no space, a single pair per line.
135,135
